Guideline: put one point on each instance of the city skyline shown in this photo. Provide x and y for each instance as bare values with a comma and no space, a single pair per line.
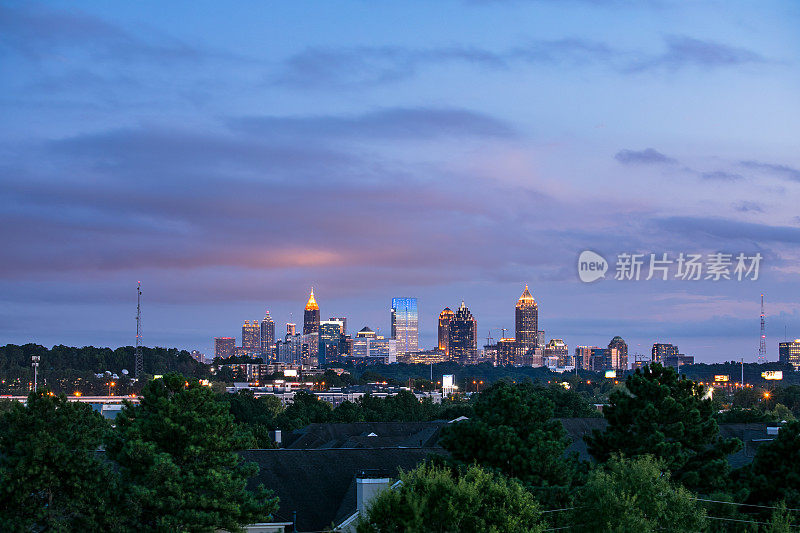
230,162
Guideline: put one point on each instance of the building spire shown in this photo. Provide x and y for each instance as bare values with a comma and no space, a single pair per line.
312,303
526,298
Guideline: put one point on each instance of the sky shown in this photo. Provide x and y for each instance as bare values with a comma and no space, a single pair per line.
231,155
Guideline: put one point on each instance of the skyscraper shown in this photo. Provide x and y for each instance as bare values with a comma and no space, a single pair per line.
405,325
267,334
342,320
789,352
463,339
619,360
445,317
330,334
223,347
311,315
662,350
527,322
251,337
291,328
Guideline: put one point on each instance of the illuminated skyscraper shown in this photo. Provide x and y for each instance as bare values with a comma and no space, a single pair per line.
527,322
267,334
291,328
251,337
311,315
223,347
619,360
445,317
405,325
463,337
661,351
789,352
330,335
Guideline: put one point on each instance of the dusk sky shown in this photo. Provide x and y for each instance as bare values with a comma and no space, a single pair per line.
230,155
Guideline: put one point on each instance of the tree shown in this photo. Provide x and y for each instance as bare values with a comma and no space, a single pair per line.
305,409
513,432
635,496
662,414
435,499
176,454
349,412
774,474
51,476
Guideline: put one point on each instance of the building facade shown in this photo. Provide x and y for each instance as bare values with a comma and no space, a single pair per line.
463,338
558,349
251,337
663,350
505,352
789,352
224,346
330,335
267,334
526,322
620,356
405,325
445,317
311,315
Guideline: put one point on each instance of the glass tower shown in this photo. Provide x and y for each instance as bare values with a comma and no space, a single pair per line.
405,325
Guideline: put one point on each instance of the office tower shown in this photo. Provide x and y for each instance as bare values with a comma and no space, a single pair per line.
463,341
267,334
405,325
506,352
290,350
583,357
366,332
526,322
789,353
599,360
662,350
330,334
619,359
223,346
342,320
251,336
541,339
311,349
375,349
291,328
557,348
445,317
311,315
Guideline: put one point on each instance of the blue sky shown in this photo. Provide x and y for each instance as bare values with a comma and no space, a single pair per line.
231,155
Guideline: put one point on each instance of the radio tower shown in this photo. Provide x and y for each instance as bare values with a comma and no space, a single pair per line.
762,345
139,368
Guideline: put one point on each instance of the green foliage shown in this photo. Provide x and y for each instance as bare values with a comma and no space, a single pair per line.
568,403
513,432
305,409
635,496
664,415
435,499
176,454
247,409
51,477
774,474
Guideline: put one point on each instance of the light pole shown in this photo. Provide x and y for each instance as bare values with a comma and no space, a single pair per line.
110,384
35,365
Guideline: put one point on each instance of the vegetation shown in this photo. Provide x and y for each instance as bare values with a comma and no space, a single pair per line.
433,498
51,478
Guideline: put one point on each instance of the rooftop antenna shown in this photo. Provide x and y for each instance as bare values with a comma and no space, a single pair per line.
139,365
762,345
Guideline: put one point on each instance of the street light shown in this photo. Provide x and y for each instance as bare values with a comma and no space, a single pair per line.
35,365
111,384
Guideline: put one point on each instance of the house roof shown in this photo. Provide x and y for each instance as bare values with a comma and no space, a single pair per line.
319,483
358,435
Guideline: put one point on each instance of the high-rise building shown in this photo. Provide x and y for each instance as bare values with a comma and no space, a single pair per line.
267,334
330,335
541,339
558,348
583,356
375,348
620,357
662,350
251,336
342,320
506,352
223,347
789,352
405,325
290,350
291,328
445,317
463,341
311,315
526,322
366,332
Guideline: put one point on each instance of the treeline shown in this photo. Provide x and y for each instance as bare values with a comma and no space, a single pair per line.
64,362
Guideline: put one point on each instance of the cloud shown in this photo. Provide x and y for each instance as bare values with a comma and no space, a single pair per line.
683,51
648,156
727,230
748,207
785,171
392,123
721,175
